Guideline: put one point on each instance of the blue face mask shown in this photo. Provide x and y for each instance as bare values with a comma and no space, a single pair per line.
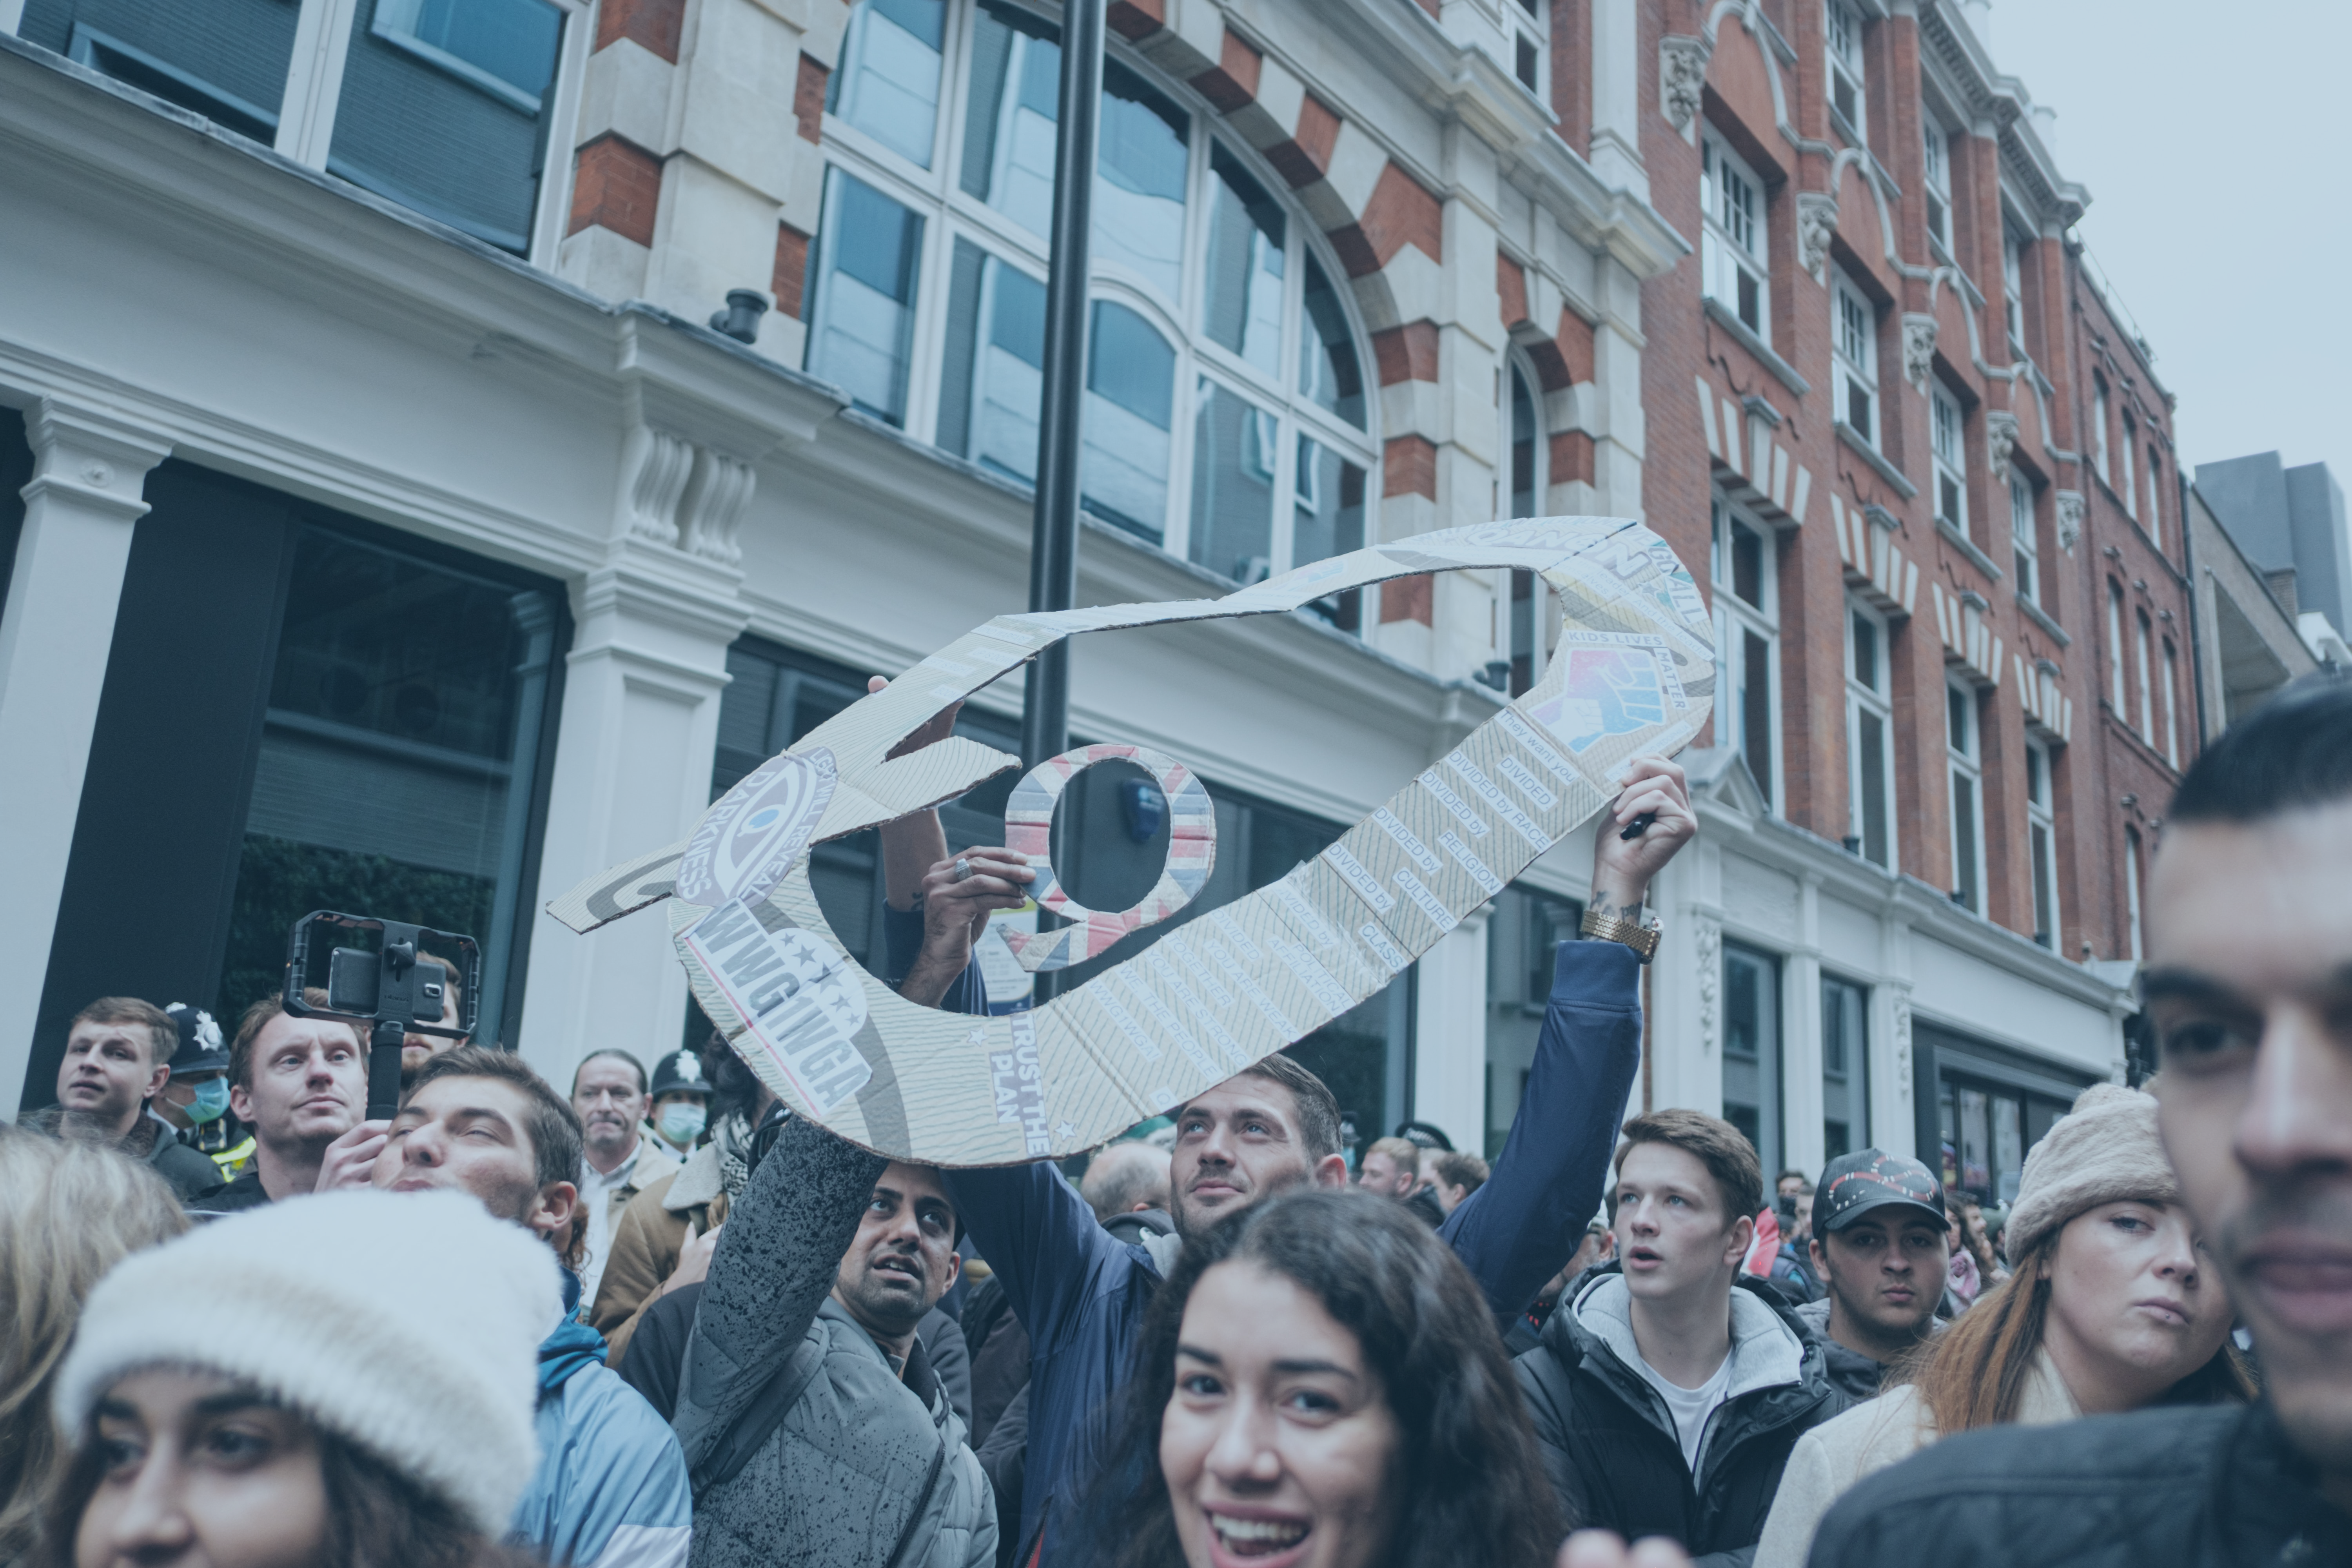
681,1122
211,1102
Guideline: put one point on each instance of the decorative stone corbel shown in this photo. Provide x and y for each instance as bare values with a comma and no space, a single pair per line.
1918,347
712,509
2070,520
655,466
1817,221
1682,71
2001,440
1707,953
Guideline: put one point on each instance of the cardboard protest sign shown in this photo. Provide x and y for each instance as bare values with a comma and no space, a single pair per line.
1634,674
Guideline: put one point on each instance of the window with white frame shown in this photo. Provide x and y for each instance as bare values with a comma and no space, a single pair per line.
2115,650
2131,890
445,106
1529,24
1936,166
2155,493
1869,737
2129,489
1964,752
2042,843
2025,540
2100,415
1855,342
1947,439
2146,682
1226,415
1733,244
2171,673
1747,644
2012,281
1843,33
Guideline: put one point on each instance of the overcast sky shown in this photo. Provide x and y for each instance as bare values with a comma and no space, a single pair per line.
2212,142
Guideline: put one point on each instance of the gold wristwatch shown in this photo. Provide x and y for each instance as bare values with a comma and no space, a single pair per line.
1641,939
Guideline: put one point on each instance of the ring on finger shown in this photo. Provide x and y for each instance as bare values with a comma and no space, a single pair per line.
963,870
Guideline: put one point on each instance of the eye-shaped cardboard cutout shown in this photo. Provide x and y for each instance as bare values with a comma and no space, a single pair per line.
1634,675
1028,830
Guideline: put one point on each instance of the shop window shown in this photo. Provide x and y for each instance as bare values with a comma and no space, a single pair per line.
401,755
1845,1066
1752,1048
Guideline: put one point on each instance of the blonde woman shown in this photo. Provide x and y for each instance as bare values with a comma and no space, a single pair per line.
2111,1305
68,1212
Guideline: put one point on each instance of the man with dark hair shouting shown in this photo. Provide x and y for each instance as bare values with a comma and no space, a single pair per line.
1668,1392
1081,1292
2248,987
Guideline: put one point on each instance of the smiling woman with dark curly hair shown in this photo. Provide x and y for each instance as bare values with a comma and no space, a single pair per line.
1319,1386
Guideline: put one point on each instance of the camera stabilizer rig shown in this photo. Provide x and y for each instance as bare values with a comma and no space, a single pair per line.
388,990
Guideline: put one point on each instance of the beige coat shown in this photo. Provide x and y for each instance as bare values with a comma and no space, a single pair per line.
1872,1435
651,1233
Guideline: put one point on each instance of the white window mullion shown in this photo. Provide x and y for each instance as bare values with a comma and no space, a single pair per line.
314,83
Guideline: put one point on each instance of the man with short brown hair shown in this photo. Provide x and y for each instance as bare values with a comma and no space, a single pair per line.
118,1059
302,1084
1668,1392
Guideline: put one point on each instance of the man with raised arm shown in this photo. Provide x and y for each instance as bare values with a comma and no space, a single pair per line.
1081,1292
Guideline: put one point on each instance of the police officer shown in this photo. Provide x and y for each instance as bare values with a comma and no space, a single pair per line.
681,1101
194,1099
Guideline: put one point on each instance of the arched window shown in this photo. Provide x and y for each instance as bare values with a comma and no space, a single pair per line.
1227,417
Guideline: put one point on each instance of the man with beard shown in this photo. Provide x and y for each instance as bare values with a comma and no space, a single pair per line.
617,1162
1082,1292
809,1408
610,1489
2248,989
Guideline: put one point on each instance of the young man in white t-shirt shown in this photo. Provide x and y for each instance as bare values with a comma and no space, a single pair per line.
1668,1394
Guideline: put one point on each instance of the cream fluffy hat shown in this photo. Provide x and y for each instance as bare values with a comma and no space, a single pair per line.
407,1324
2105,1149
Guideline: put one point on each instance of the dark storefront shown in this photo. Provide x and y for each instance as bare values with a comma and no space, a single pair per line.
1987,1108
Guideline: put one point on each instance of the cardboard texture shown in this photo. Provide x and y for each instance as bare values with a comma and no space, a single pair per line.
1634,674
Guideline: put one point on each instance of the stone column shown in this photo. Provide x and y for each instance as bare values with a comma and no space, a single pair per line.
1449,1071
1801,1132
633,759
90,471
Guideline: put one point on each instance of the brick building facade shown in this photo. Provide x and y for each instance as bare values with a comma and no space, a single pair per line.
1363,268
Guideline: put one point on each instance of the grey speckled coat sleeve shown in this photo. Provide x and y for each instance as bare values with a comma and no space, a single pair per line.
778,1256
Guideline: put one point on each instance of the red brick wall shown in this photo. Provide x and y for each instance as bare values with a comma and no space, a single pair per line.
617,184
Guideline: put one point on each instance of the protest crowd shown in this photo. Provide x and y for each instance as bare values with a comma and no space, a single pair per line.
652,1317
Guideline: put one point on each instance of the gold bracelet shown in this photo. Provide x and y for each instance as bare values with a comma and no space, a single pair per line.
1641,939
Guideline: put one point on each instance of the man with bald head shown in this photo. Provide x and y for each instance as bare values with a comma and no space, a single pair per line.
1125,1178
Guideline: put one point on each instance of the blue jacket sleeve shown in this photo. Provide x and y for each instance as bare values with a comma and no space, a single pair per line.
1515,1231
610,1490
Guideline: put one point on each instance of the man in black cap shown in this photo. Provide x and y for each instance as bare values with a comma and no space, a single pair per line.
195,1099
680,1096
1879,1246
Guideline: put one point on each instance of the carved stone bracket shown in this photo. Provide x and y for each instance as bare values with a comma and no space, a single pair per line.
690,498
2070,520
1682,71
1817,221
1903,1044
1918,347
713,506
654,468
2001,440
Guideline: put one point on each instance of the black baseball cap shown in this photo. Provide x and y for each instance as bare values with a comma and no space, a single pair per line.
1868,1179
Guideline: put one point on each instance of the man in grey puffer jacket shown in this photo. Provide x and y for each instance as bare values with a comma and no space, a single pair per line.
816,1430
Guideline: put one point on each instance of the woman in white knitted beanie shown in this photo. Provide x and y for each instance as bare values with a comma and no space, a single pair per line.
346,1382
2110,1305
